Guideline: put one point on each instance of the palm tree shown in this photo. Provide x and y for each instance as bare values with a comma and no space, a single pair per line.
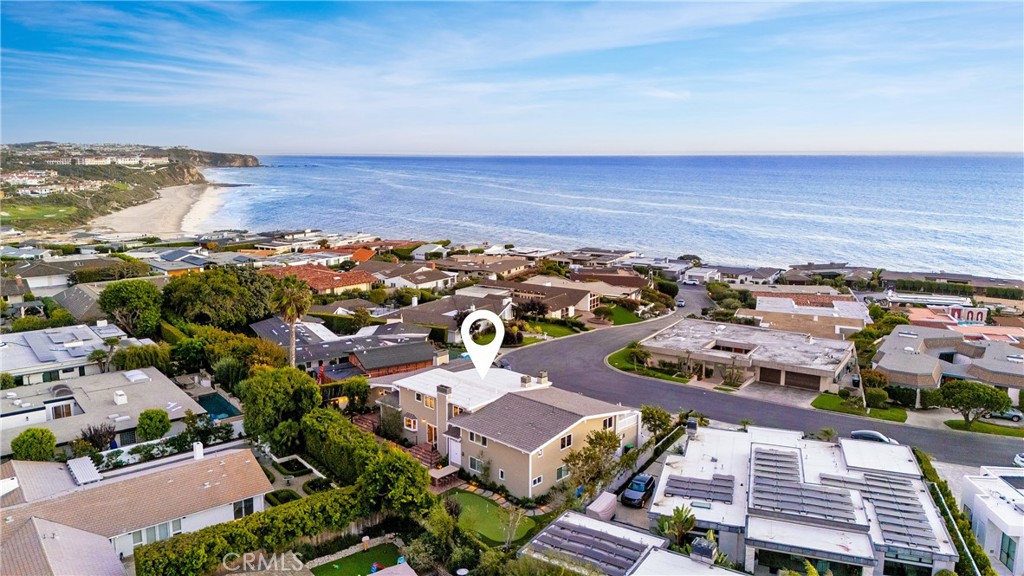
291,300
677,526
100,357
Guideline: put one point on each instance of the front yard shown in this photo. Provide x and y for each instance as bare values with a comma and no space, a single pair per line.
553,330
360,563
483,516
986,428
833,403
622,316
621,361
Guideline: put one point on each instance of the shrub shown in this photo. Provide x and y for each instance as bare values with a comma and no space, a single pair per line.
873,378
906,397
270,475
670,289
228,372
170,333
929,398
34,444
338,443
6,381
153,424
283,496
875,397
844,393
316,485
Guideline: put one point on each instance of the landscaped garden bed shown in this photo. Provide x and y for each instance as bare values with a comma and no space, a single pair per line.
384,555
292,468
278,497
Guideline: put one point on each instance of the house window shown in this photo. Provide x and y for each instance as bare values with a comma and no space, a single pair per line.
137,538
67,370
62,411
128,437
608,422
456,411
411,424
429,402
476,465
419,397
243,508
163,531
1008,551
150,534
501,474
474,437
562,472
176,527
537,480
566,441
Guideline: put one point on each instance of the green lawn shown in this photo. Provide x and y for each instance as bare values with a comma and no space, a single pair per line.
37,211
622,316
621,361
553,330
834,403
530,340
484,517
986,428
729,389
483,339
359,564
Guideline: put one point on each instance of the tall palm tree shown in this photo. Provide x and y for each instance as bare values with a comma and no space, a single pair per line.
291,300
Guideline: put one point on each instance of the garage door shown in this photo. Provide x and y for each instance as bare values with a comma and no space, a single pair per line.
771,375
805,381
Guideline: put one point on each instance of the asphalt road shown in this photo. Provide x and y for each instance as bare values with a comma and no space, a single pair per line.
576,363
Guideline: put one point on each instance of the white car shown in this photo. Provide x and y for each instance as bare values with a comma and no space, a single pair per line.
680,303
1018,460
690,282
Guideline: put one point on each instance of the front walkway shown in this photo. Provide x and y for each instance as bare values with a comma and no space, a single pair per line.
500,500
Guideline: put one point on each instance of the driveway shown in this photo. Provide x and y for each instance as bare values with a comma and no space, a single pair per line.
696,298
577,364
778,394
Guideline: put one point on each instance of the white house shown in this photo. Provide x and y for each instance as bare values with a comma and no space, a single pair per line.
55,353
702,275
994,503
109,515
429,251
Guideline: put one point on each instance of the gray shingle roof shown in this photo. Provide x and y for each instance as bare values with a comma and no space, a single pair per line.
396,355
531,419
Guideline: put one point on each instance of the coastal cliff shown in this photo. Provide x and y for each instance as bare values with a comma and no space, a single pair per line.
205,159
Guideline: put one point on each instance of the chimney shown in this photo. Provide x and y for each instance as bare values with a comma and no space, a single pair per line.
525,381
197,450
543,378
472,307
120,398
415,301
17,280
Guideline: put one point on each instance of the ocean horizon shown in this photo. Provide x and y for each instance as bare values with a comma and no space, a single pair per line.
952,212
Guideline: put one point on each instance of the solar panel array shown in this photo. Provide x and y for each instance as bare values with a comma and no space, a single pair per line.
777,487
718,489
606,553
897,504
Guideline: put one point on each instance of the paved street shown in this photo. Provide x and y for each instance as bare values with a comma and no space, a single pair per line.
577,363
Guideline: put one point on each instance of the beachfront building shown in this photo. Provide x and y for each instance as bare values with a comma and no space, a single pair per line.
702,275
487,267
56,354
591,257
774,498
522,438
746,274
923,358
837,319
667,268
810,273
993,502
69,519
763,355
118,398
429,252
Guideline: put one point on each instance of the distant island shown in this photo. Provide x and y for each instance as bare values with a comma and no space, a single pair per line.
53,186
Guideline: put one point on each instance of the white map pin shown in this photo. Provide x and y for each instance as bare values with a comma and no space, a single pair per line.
483,355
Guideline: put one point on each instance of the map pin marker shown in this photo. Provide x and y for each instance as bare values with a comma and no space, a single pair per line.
483,355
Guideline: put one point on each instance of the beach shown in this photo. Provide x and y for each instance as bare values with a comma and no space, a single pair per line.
178,210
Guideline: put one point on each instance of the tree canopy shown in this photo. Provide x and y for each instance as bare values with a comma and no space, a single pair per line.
153,424
656,419
272,396
224,297
36,444
972,399
394,482
594,463
134,304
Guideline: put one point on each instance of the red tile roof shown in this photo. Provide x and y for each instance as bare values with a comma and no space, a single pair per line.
321,278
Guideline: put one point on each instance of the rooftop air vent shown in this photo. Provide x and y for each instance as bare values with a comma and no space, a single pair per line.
1018,358
907,334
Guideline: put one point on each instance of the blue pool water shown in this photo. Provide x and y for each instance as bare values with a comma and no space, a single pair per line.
217,406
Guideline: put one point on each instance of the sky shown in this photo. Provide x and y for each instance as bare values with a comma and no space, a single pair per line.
517,78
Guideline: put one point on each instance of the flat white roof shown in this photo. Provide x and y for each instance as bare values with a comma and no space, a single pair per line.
864,478
1003,500
469,391
812,538
879,457
659,562
631,534
53,348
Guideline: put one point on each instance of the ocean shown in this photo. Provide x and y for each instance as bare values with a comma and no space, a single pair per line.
941,212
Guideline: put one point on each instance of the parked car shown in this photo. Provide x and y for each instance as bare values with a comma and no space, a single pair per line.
873,436
639,491
690,282
680,303
1018,460
1011,414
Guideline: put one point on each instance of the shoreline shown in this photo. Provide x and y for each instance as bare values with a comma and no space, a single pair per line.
175,211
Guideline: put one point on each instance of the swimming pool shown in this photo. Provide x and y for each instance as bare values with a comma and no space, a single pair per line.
217,406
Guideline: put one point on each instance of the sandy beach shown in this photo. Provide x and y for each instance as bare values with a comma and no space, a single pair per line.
178,210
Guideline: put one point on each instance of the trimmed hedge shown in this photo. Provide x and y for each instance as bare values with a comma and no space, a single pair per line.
169,333
286,472
954,520
906,397
273,530
283,496
875,397
929,398
338,444
316,485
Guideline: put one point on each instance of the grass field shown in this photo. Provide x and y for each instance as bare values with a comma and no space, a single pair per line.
553,330
621,361
484,517
37,211
834,403
483,339
360,563
986,428
622,316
